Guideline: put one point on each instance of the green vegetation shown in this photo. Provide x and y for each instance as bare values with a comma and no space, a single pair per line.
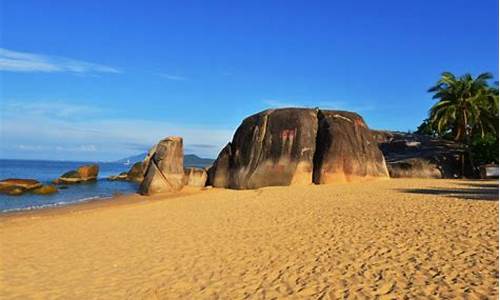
466,112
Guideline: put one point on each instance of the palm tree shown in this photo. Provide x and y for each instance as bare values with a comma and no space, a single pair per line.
465,104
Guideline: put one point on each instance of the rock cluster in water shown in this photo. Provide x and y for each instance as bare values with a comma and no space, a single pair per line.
82,174
17,186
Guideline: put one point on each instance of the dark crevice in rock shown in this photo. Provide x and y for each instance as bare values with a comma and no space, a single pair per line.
257,149
323,139
317,156
162,176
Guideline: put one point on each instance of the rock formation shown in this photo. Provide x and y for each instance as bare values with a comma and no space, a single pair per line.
163,167
15,186
420,156
123,176
195,177
135,174
82,174
218,174
297,146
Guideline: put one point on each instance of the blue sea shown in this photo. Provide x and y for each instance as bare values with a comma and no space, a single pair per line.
46,171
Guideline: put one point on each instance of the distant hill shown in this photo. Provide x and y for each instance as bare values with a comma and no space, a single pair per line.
190,160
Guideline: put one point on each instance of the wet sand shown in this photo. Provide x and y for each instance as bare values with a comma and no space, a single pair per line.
389,239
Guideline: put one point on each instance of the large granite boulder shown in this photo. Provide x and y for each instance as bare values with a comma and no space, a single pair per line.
17,186
195,177
345,149
273,147
163,167
297,146
421,156
82,174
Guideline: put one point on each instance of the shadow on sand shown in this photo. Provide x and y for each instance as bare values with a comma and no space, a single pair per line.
467,190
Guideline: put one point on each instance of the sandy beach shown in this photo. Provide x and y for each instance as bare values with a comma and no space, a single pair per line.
396,239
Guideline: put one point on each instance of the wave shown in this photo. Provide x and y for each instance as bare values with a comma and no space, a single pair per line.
57,204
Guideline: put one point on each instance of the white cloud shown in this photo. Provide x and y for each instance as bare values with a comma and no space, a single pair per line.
31,147
78,148
32,131
172,77
15,61
56,109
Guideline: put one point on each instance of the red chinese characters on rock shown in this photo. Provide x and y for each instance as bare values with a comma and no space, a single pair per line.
288,134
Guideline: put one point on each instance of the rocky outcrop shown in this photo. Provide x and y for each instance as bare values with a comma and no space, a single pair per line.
135,174
195,177
16,186
82,174
298,146
420,156
163,167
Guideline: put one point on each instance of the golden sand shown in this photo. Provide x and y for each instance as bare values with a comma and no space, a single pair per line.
391,238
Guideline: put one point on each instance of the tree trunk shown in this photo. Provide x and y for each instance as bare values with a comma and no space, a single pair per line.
464,140
463,161
475,171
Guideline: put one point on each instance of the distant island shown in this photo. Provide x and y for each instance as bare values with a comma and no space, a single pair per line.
190,160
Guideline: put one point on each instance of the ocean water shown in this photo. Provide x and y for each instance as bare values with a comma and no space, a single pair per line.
46,171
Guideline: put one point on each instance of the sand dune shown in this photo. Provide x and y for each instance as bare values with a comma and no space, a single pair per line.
394,239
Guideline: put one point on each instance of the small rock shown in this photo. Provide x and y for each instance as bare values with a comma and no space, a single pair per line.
45,190
195,177
136,172
121,176
82,174
15,186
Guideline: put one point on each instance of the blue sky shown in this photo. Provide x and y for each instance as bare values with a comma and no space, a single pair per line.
99,80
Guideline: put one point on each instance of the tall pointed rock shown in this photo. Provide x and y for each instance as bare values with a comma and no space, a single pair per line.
163,167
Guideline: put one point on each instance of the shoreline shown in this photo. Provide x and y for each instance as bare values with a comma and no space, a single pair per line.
137,199
95,204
